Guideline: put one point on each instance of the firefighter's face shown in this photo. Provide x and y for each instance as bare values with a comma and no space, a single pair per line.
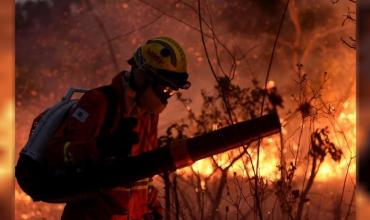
148,95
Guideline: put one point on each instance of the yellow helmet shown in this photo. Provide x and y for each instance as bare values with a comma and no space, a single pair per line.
165,60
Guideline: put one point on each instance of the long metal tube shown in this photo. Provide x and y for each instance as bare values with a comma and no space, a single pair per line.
233,136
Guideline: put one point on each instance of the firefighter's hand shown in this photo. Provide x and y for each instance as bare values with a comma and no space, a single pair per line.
120,141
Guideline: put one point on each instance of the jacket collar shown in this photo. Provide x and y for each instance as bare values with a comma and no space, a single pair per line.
128,103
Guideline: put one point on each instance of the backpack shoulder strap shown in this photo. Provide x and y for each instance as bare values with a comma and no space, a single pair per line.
112,98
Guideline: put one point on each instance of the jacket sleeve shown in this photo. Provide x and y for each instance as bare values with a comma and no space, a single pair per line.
74,143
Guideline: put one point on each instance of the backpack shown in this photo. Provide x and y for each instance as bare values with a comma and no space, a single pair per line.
32,172
52,118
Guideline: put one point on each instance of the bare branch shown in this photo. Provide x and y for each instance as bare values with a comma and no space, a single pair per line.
136,29
351,43
105,34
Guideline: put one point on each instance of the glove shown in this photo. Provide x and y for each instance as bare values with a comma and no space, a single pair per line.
120,141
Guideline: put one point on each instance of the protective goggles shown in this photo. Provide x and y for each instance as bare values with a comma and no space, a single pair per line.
163,92
173,80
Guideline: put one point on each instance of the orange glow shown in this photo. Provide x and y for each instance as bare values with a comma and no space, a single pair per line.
270,84
6,138
54,54
34,210
267,167
344,138
346,123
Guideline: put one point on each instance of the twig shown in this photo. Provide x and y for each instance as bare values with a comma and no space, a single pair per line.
204,43
176,198
345,181
350,45
186,204
219,193
214,37
273,52
227,105
105,35
186,23
263,102
120,36
299,143
215,42
303,197
167,187
350,204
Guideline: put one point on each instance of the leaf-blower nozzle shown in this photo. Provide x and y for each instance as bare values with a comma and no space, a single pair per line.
183,153
188,151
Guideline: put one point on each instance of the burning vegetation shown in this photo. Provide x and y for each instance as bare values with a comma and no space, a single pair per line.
246,58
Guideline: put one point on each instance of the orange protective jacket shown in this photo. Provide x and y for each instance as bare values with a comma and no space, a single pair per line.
74,145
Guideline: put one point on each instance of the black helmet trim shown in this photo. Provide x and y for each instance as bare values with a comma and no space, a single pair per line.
175,80
179,79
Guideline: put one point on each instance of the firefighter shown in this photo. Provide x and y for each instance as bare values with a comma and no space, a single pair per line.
89,162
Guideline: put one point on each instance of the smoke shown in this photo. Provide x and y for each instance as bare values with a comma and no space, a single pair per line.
60,45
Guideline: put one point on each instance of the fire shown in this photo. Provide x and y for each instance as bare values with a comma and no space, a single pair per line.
343,135
7,138
268,164
345,138
26,208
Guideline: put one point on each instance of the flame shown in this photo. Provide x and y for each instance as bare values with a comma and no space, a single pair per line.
269,159
345,139
268,162
26,208
270,84
6,138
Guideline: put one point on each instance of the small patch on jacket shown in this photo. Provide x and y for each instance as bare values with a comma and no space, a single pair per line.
80,114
